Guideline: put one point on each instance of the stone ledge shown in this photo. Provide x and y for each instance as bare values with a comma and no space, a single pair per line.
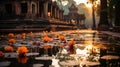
116,29
103,28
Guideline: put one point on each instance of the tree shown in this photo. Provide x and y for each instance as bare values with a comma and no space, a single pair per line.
93,14
117,12
111,12
103,23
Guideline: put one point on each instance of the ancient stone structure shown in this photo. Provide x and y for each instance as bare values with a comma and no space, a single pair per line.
74,17
31,15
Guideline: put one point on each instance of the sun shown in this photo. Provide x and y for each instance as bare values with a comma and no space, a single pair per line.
80,1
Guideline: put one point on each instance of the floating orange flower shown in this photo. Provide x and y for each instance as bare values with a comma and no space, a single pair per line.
22,50
1,54
61,37
12,41
23,34
31,34
72,42
57,35
11,35
8,49
46,38
23,60
45,32
46,46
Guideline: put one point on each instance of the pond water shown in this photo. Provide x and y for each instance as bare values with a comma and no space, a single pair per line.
89,47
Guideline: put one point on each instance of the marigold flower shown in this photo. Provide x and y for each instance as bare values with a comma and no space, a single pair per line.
12,41
46,38
9,48
31,34
11,35
72,42
57,35
61,37
23,34
22,50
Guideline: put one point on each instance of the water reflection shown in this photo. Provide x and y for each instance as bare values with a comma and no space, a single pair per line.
91,49
22,60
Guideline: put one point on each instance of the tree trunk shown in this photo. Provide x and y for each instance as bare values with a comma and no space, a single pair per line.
93,16
103,23
111,13
117,13
116,28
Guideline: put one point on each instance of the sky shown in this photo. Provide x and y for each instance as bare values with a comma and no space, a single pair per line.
65,4
83,8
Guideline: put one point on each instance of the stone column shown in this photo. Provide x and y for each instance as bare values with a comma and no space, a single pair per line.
38,8
62,15
46,9
58,12
51,10
70,21
55,12
29,10
41,9
17,8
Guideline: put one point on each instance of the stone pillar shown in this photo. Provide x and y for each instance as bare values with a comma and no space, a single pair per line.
52,15
41,9
17,8
55,12
51,11
46,9
70,21
60,14
29,10
38,8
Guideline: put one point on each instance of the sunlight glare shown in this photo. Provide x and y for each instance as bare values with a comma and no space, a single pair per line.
53,0
80,1
88,5
82,52
89,47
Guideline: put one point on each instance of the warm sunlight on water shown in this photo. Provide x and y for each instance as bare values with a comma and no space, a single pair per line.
79,47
